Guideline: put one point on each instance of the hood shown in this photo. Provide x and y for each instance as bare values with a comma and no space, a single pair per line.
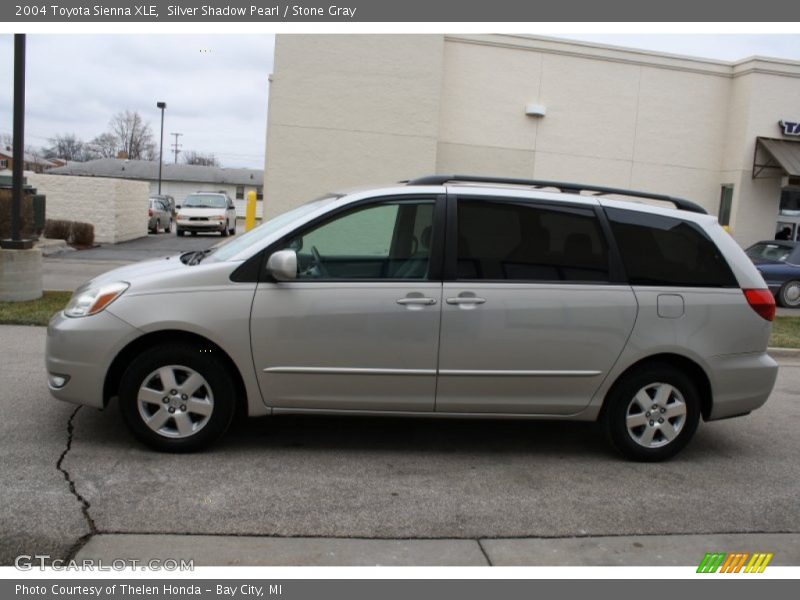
765,261
131,273
201,212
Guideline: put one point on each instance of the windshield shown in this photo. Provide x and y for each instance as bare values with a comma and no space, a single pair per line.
765,251
205,201
229,249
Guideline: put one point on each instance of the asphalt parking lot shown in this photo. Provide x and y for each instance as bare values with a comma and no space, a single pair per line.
74,478
68,270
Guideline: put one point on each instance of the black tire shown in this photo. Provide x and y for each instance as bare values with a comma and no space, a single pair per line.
194,234
787,289
620,405
233,230
180,232
218,387
168,228
157,228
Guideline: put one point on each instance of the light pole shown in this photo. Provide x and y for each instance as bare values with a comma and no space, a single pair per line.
162,106
18,149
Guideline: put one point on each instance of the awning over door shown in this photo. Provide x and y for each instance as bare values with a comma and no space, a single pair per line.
773,155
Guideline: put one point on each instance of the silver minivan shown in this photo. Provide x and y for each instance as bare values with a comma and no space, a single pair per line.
444,296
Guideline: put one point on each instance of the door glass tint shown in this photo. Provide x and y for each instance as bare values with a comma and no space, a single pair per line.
390,240
659,250
521,242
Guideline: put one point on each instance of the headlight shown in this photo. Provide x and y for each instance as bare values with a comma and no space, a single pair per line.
217,218
94,299
180,216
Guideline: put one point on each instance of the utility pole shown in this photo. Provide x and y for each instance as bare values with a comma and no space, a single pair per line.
176,146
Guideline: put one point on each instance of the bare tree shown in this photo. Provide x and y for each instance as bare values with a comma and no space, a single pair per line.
105,145
69,147
133,134
6,140
192,157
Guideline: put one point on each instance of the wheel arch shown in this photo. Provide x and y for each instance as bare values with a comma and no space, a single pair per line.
150,340
682,363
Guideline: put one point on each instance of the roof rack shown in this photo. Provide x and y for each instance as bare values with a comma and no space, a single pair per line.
561,186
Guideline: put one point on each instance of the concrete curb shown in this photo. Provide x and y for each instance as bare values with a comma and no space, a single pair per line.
784,352
682,550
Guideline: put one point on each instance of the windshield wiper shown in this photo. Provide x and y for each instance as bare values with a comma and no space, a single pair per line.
196,257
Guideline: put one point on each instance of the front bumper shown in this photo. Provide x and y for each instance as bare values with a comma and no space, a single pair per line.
82,350
201,225
741,383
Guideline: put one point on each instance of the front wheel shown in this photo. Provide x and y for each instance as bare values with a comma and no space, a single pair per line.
177,397
789,294
652,413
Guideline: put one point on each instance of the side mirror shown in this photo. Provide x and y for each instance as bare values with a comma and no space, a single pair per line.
177,206
282,265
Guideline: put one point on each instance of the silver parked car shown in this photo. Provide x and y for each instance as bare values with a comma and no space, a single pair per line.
206,211
443,296
159,216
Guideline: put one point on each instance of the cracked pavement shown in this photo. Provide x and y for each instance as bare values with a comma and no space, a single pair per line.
349,478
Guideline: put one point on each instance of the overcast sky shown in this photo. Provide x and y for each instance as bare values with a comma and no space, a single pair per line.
215,86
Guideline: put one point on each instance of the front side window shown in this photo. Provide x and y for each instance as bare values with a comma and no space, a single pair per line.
524,242
665,251
391,240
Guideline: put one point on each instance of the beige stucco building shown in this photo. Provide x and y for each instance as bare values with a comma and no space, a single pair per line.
348,110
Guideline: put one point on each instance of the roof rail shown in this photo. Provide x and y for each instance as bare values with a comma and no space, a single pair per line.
561,186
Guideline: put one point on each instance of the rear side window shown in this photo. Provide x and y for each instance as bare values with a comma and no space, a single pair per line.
500,240
658,250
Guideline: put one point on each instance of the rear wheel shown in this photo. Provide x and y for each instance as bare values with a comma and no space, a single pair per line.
177,398
652,413
168,228
789,294
157,228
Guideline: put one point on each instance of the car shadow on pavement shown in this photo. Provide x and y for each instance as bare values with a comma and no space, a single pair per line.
412,435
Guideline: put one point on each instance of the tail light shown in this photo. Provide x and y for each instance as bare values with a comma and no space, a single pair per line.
762,302
150,212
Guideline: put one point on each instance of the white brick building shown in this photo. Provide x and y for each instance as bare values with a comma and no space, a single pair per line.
177,180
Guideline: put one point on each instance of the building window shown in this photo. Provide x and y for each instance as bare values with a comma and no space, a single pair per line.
725,204
790,202
259,193
240,192
3,163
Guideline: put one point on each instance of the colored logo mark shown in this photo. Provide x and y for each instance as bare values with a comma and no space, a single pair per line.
720,562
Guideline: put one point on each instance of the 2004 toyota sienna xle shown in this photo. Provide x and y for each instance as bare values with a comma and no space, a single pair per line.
442,296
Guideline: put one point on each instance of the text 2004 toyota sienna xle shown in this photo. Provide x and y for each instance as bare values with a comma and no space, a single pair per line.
445,295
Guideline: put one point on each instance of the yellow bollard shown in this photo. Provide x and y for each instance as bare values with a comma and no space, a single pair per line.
250,215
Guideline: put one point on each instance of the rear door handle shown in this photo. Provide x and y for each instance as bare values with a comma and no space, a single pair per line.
466,300
421,301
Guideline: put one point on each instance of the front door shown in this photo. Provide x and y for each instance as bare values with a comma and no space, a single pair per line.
532,323
359,327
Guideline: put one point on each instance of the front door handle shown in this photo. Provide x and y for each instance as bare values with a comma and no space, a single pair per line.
466,300
417,300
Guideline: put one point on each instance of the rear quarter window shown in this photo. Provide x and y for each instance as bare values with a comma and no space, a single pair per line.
666,251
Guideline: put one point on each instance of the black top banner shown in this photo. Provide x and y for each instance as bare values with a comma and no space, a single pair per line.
494,11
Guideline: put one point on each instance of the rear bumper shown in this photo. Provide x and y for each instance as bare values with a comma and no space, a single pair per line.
741,383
